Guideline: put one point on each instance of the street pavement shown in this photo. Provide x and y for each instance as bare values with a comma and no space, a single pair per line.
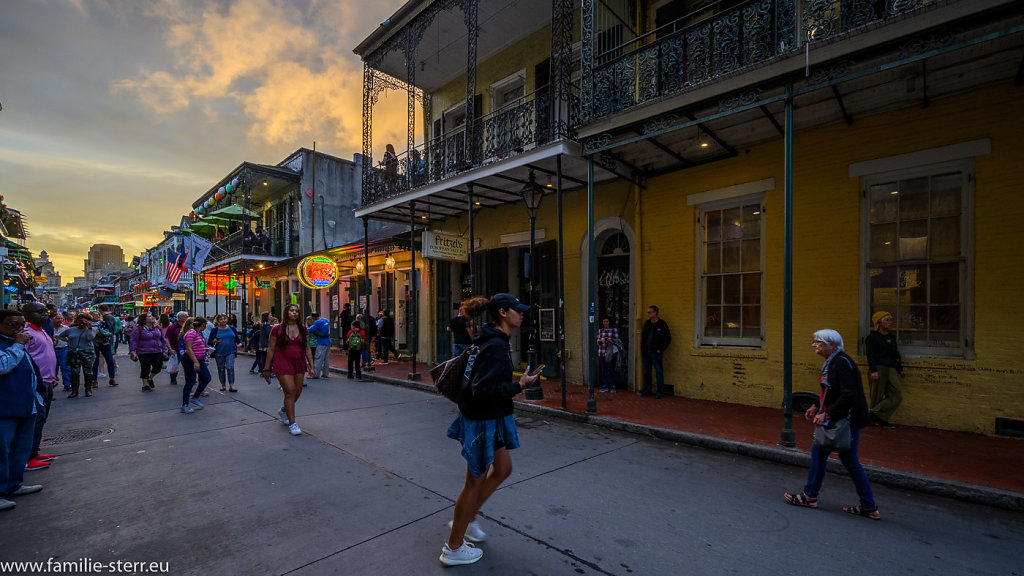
370,485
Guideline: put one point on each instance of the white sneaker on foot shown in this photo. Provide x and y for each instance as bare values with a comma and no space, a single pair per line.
294,429
474,533
465,554
284,417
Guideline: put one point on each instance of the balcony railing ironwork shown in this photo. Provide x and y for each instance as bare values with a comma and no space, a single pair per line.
521,125
695,49
237,244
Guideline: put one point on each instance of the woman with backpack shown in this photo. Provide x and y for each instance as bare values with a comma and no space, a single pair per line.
290,358
485,425
224,340
146,345
355,341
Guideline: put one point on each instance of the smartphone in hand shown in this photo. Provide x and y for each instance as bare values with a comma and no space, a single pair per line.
537,371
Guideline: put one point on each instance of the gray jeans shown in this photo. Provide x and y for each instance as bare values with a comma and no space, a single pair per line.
321,363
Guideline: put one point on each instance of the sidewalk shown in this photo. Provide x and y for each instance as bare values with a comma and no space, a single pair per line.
970,467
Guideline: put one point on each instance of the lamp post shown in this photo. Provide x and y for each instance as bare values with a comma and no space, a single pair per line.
532,197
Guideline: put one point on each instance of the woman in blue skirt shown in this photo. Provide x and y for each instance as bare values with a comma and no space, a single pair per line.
485,425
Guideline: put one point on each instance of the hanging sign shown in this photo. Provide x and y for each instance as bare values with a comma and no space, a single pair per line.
445,247
149,300
264,284
317,272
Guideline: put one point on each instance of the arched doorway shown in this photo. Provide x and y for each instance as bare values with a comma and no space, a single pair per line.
616,292
613,293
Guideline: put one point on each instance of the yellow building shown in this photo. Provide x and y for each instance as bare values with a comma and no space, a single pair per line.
890,127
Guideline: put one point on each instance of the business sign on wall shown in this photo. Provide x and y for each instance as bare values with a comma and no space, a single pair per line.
317,272
445,247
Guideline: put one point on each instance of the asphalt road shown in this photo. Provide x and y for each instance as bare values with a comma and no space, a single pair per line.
369,488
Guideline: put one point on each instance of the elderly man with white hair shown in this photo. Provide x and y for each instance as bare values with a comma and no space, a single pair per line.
172,335
841,404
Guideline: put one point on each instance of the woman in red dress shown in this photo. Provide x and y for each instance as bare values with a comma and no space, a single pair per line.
289,358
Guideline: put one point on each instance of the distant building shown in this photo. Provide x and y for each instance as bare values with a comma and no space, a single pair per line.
47,278
104,259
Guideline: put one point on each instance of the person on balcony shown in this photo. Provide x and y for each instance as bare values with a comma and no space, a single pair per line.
390,163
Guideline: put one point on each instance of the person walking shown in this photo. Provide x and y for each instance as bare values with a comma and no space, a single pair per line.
842,396
654,339
224,341
61,349
172,335
321,331
370,326
355,341
40,349
485,425
387,336
461,329
104,342
311,342
193,360
19,403
608,351
146,345
885,368
81,354
290,358
262,342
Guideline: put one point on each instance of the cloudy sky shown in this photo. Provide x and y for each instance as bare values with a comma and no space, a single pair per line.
118,114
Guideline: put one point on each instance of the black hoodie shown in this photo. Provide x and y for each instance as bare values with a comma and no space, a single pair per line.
492,388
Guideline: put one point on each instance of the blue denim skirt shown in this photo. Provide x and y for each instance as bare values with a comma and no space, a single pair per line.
480,438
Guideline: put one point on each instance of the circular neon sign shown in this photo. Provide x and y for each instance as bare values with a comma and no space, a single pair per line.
317,272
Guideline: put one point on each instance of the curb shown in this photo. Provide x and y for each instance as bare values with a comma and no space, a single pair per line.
971,493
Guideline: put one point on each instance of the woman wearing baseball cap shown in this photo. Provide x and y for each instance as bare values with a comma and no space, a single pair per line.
485,425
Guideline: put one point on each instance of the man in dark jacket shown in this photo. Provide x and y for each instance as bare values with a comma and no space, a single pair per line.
654,339
19,403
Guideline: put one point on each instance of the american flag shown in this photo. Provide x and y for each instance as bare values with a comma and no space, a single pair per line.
175,266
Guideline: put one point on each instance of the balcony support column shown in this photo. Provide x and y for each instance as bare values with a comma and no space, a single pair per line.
413,293
472,244
788,436
587,61
472,30
368,88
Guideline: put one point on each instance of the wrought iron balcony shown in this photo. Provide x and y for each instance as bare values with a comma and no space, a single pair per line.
236,244
695,49
517,127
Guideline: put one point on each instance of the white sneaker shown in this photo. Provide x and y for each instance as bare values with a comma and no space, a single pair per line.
284,417
474,533
465,554
294,429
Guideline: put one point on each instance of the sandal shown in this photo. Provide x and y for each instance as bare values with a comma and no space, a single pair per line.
223,389
232,389
859,511
801,499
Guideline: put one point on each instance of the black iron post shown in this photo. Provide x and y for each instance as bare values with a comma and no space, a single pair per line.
532,198
413,298
591,289
365,283
787,437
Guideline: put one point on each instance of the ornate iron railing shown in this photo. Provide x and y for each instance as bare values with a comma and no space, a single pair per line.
235,244
697,48
515,128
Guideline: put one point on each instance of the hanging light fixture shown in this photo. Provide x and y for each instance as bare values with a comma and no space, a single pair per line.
389,263
359,267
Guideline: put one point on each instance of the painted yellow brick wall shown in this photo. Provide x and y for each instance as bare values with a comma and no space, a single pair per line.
954,394
942,393
522,56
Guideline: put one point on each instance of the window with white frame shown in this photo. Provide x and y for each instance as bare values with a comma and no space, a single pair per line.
508,90
917,232
730,271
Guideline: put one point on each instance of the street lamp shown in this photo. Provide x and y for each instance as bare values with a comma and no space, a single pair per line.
532,197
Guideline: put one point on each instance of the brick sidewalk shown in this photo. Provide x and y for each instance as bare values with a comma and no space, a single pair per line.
992,462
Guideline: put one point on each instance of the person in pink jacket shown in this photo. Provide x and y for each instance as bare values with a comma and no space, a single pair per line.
147,347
